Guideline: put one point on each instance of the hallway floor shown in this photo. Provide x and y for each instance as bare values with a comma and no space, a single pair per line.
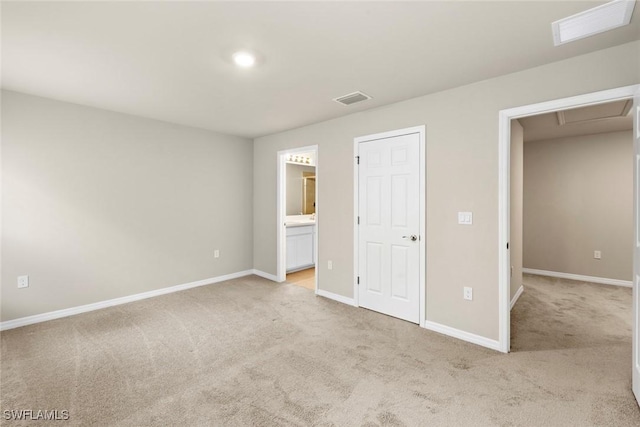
560,314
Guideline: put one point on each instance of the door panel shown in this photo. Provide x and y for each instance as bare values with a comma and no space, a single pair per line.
636,252
374,268
305,249
389,211
399,189
291,250
399,268
374,195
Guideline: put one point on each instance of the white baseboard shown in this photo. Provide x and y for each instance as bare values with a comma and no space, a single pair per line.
267,276
38,318
519,292
592,279
462,335
336,297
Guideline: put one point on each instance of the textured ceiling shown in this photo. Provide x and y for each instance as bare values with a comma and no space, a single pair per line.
170,60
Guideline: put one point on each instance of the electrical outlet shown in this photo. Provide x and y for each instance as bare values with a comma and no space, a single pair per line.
468,293
330,265
23,281
597,255
216,253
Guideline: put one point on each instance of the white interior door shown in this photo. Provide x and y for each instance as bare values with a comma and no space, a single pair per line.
389,226
636,252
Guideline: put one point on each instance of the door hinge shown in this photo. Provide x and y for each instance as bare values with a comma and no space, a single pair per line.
507,245
358,159
358,281
358,220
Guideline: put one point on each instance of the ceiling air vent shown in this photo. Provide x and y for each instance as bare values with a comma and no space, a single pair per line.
597,20
352,98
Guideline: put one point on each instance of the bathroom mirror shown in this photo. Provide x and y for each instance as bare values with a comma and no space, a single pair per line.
308,193
301,189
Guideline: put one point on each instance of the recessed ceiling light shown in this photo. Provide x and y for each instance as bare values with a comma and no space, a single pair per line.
244,59
593,21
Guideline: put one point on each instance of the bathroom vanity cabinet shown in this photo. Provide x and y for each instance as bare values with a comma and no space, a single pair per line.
300,247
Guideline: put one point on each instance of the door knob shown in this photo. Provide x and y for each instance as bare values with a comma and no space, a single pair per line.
413,237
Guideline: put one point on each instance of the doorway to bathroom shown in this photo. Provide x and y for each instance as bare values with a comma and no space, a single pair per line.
297,227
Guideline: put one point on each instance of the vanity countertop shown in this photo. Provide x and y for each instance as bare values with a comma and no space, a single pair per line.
300,223
299,220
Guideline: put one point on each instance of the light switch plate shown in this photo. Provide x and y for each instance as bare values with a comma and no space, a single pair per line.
465,218
597,254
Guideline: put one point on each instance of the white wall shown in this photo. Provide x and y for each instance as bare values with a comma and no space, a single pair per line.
516,205
579,198
98,205
461,174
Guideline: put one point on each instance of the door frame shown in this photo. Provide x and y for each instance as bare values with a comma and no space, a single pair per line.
421,131
504,183
281,212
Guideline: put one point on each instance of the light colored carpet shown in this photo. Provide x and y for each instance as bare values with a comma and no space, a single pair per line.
252,352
